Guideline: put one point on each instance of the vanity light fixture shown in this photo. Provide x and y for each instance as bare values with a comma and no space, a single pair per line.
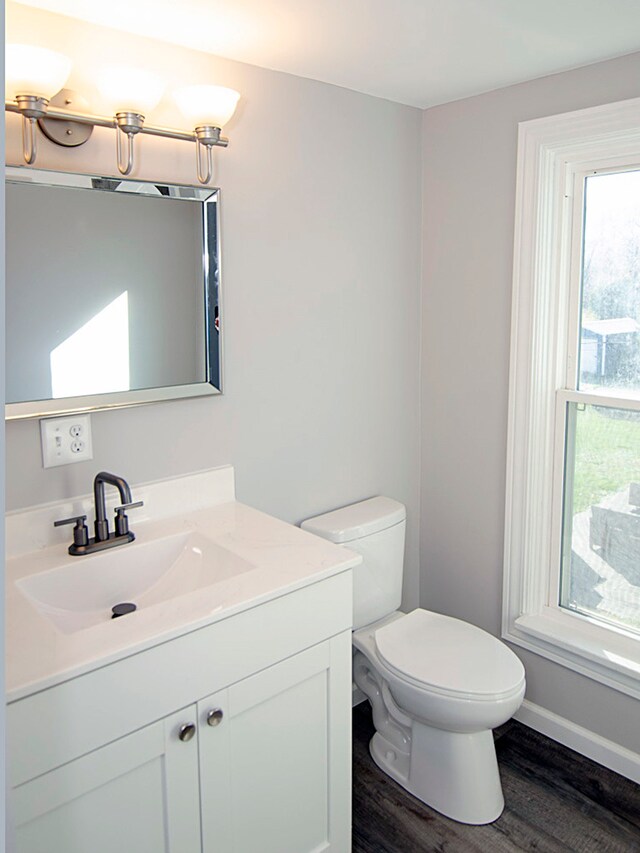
208,109
130,93
34,75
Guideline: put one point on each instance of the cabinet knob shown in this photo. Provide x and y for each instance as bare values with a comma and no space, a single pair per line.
186,732
214,717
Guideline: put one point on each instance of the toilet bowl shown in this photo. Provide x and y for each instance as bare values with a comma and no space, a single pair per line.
423,675
437,685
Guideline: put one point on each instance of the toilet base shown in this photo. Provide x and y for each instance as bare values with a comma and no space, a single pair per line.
455,773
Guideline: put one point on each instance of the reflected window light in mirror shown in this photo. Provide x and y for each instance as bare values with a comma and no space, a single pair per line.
95,358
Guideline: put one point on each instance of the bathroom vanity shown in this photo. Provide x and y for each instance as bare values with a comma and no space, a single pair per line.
215,717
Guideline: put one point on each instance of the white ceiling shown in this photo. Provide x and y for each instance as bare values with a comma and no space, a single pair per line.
417,52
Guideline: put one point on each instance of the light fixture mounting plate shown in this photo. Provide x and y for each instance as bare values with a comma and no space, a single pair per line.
62,132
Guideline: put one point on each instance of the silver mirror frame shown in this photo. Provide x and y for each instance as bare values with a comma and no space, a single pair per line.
143,396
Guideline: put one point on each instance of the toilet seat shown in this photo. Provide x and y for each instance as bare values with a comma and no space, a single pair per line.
448,657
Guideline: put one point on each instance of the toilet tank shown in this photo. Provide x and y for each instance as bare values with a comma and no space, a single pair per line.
374,528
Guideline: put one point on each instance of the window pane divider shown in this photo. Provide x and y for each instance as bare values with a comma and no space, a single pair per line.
600,398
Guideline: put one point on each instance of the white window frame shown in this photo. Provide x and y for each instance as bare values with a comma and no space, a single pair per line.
554,155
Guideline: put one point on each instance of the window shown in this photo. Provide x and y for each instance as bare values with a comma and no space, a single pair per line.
572,544
600,554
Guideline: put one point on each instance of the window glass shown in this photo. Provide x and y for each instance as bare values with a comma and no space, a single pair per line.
601,553
610,304
600,569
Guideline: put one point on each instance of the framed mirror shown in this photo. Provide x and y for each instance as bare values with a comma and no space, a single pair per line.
112,292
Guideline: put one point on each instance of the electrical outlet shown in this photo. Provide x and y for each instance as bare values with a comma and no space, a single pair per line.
66,440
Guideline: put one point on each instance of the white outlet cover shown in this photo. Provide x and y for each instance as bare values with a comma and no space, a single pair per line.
66,440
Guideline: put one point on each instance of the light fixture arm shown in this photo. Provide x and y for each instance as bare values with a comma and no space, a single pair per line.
124,167
203,176
29,146
31,108
206,137
129,124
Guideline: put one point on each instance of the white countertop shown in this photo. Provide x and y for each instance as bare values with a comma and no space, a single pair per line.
284,558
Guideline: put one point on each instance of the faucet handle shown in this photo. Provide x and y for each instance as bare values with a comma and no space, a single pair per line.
122,522
80,531
133,505
75,519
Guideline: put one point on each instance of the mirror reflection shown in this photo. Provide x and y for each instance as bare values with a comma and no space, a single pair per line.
112,292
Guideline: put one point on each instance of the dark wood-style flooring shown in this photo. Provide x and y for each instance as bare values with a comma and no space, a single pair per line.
556,801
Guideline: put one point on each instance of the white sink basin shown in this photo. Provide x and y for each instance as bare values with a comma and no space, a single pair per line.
81,593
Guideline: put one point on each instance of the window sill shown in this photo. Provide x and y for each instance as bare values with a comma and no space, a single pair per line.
607,655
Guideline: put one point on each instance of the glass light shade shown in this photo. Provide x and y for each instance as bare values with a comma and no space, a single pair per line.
129,89
34,71
207,105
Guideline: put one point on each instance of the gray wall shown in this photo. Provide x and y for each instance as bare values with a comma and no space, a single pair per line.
469,168
321,287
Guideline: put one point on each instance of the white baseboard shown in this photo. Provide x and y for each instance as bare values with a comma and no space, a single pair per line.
593,746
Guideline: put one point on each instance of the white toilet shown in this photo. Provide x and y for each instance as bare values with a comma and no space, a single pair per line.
437,685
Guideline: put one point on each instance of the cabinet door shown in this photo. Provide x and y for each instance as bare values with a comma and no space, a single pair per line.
139,793
276,763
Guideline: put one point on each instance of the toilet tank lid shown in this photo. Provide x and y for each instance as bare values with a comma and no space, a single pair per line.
357,520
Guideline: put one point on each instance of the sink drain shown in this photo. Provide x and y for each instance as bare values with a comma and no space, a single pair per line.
122,609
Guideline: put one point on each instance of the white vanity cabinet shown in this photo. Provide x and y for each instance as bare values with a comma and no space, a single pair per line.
139,793
275,764
103,762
